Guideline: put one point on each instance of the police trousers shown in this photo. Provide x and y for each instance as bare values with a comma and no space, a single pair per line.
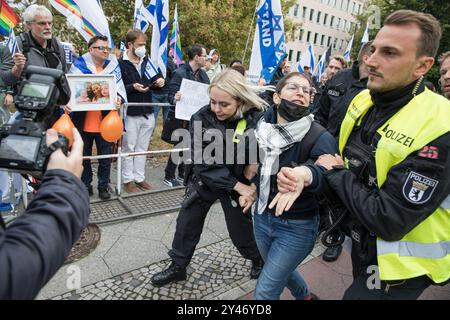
190,223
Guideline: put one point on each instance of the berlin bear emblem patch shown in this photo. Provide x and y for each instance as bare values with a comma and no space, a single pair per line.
418,188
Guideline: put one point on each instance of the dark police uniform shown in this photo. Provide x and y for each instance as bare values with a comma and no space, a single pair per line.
383,210
209,182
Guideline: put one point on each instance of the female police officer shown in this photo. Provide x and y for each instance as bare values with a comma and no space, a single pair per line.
235,108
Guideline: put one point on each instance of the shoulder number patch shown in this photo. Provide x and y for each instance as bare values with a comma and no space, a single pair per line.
418,188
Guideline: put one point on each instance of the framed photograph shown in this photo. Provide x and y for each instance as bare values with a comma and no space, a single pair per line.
92,91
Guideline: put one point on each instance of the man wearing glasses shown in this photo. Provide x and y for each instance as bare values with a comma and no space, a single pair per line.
36,47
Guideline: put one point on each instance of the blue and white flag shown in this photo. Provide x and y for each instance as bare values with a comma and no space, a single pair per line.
365,37
321,66
159,9
68,51
348,50
150,70
85,65
269,47
142,16
123,47
12,42
307,59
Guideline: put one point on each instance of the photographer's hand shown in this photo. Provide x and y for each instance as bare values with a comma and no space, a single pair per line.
74,162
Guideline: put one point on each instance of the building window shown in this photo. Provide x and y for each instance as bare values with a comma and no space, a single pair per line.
302,32
345,25
322,40
296,10
359,8
299,53
316,35
325,18
338,24
311,15
347,3
308,36
304,12
319,14
332,21
329,41
339,4
290,54
335,43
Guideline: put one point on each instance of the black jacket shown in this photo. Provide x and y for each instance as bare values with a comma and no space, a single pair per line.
224,171
35,246
170,67
306,205
183,72
130,76
331,106
386,212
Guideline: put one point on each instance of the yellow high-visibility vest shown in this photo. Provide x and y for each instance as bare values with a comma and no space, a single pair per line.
425,250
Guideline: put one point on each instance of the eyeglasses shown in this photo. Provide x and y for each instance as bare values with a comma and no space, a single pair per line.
295,87
103,48
44,23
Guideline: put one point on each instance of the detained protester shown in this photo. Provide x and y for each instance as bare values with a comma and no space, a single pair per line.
36,244
286,225
396,182
233,111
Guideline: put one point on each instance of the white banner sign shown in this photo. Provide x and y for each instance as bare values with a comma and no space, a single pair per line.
194,95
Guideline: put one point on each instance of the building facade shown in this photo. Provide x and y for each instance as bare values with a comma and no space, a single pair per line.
323,23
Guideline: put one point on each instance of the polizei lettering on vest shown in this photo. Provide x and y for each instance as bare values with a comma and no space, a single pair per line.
397,136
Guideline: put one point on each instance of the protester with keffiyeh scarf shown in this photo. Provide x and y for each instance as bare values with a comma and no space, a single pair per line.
285,235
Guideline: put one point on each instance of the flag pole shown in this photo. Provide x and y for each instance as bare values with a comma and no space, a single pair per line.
250,32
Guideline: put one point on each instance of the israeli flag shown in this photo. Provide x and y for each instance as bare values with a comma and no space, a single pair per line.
150,70
159,9
142,16
321,66
269,47
307,59
68,51
12,42
123,48
348,50
365,37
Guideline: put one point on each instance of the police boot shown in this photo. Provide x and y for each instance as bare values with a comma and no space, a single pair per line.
332,253
257,265
172,274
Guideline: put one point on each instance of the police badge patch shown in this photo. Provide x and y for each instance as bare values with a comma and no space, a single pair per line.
418,188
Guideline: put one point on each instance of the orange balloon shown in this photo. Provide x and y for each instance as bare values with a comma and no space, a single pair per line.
64,125
111,127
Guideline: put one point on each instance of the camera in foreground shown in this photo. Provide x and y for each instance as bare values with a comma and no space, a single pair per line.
23,145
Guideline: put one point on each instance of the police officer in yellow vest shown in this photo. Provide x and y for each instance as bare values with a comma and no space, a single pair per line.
395,176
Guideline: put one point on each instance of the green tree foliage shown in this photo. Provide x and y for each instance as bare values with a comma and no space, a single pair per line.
224,25
438,8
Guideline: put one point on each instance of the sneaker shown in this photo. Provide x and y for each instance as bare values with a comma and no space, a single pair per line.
104,194
180,179
144,185
172,183
130,187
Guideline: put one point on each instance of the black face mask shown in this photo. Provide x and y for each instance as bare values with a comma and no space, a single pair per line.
290,111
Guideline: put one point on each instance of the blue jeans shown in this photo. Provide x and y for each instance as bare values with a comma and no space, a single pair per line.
104,165
283,245
160,98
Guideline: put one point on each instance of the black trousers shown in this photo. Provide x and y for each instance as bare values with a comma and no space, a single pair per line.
409,289
172,166
190,223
